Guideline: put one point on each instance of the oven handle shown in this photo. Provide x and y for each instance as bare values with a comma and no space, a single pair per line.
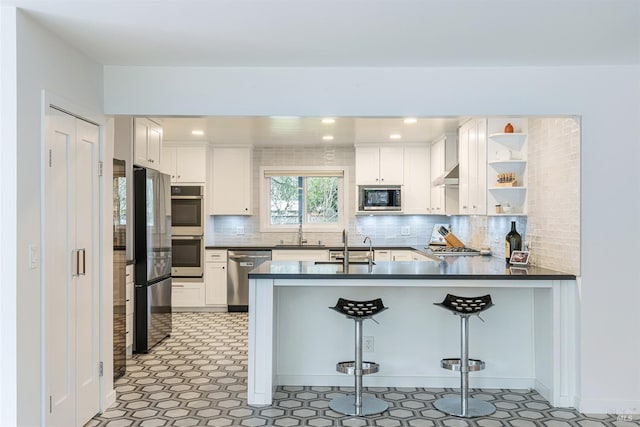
186,237
186,197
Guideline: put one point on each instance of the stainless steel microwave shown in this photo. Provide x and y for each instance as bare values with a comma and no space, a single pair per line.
380,198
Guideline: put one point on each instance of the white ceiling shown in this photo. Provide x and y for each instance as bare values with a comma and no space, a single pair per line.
275,131
346,33
339,33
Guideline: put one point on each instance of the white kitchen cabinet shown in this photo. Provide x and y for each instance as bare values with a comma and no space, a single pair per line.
187,294
129,307
473,167
186,165
379,165
382,255
230,183
300,255
444,157
401,255
507,154
215,278
147,143
416,194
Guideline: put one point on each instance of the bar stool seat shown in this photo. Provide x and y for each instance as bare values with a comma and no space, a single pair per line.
357,404
464,406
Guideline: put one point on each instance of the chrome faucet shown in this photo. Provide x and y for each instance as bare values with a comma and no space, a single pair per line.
345,240
301,241
370,256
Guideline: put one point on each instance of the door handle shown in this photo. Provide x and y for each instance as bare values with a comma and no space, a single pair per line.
75,269
84,262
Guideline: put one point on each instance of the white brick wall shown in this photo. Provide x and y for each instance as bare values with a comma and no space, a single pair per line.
554,193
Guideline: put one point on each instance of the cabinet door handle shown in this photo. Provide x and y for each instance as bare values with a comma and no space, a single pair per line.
84,262
177,286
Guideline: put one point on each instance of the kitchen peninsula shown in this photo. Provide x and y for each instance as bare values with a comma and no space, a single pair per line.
528,340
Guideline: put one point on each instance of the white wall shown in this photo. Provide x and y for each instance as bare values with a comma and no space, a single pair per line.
8,178
606,98
43,63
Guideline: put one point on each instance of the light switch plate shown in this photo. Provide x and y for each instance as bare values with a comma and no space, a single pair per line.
34,257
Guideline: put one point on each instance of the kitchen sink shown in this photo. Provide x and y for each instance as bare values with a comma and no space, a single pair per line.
285,245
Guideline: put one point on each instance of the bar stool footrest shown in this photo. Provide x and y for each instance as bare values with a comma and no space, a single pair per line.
454,364
350,367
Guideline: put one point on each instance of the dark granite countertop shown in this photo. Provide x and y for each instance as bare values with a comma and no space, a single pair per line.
316,247
451,267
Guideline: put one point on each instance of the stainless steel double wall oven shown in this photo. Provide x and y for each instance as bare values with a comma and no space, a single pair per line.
187,224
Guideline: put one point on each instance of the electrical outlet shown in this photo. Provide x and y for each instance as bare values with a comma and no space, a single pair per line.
239,230
367,344
405,231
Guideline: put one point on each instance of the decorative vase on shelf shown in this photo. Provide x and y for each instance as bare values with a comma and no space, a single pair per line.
508,128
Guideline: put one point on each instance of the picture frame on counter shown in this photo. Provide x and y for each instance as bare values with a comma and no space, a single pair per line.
519,258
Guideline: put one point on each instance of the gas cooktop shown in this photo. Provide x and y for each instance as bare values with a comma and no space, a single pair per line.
450,250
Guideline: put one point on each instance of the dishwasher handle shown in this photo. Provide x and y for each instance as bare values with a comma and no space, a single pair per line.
237,257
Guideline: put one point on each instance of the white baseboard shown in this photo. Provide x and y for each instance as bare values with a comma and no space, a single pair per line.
623,407
109,400
404,381
212,309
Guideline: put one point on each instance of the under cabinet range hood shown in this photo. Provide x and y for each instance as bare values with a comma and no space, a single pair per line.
450,178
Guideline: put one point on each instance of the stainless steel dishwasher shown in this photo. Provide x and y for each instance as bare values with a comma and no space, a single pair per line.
240,263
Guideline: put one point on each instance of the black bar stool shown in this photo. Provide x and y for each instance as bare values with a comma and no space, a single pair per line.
358,404
464,406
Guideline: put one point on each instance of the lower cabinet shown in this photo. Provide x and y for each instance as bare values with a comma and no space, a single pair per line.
300,255
215,278
401,255
187,294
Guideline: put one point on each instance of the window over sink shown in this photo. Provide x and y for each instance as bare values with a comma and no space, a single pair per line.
313,198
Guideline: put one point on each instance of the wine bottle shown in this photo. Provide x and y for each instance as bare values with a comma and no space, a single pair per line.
513,242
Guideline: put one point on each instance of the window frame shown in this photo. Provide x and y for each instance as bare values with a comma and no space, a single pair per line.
265,202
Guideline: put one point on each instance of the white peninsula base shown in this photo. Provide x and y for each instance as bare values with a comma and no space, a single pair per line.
528,339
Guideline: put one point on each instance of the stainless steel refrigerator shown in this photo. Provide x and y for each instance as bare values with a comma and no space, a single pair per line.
152,253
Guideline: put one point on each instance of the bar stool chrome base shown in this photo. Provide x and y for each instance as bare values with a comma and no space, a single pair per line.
347,405
475,407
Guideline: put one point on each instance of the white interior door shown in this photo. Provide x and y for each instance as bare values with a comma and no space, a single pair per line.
70,275
87,228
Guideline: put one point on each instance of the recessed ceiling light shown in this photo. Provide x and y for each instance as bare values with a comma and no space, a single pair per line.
395,136
410,120
328,120
327,138
197,132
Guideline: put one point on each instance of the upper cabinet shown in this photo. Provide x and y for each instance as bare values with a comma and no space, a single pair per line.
379,165
416,194
147,143
507,167
472,146
185,164
230,183
444,175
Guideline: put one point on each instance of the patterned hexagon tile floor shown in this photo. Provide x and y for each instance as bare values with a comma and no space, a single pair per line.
198,377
